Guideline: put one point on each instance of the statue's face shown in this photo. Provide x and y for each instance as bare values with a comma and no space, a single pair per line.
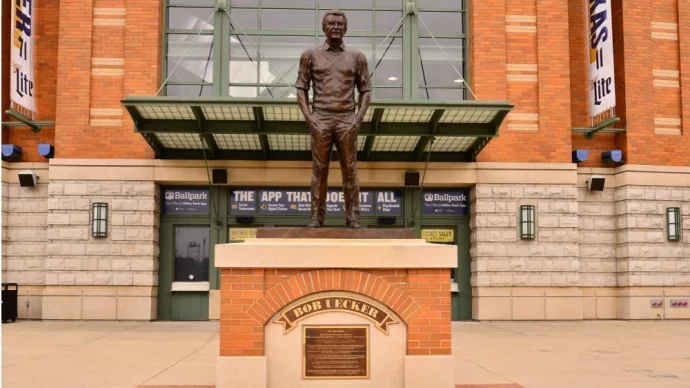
335,27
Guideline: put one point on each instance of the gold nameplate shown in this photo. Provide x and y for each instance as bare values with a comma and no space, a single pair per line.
294,314
335,352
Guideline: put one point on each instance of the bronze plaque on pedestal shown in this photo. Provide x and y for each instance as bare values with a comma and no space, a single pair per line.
335,352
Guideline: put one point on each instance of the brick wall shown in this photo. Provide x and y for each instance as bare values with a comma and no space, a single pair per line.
517,54
109,49
250,297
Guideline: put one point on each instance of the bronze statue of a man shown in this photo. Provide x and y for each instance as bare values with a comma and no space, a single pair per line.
334,70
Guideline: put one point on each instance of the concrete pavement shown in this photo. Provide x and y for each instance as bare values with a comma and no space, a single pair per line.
608,354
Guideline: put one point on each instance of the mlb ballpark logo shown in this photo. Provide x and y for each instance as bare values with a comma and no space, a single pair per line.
428,197
169,195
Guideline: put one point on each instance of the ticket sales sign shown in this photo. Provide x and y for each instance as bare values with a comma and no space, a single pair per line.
298,201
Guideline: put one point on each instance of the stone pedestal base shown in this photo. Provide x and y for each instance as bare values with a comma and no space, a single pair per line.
276,290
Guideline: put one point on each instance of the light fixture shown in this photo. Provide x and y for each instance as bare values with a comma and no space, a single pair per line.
392,78
244,219
11,152
292,95
612,156
99,219
459,81
27,178
596,183
673,233
46,150
580,156
527,223
386,220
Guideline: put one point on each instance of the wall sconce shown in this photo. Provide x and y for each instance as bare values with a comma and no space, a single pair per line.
579,156
99,219
527,222
11,152
613,156
673,223
46,150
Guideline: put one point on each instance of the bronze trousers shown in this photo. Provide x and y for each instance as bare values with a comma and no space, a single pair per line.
334,128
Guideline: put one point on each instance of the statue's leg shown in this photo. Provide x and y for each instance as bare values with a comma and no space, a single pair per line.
346,143
321,146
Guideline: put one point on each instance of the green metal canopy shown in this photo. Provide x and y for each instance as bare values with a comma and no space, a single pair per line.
274,129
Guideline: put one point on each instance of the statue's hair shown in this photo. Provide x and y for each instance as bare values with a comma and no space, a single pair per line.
334,12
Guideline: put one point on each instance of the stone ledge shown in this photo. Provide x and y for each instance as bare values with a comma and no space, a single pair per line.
335,253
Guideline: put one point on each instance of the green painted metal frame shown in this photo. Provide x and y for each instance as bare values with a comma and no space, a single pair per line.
259,126
410,35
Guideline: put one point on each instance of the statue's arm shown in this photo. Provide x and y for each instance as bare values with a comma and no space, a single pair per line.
364,87
302,85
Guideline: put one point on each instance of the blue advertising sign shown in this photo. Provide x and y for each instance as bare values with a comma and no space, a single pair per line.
444,202
185,201
298,201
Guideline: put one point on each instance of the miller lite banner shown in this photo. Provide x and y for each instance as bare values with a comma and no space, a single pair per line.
22,47
602,91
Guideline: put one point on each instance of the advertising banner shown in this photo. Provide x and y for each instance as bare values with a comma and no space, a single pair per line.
445,202
602,90
185,201
298,201
22,81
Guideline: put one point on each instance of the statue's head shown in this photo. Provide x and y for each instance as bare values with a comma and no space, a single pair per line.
334,24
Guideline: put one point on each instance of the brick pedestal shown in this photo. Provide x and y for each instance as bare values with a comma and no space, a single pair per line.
405,278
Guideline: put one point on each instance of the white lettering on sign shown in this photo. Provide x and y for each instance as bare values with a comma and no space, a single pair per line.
450,198
386,197
243,196
271,196
188,195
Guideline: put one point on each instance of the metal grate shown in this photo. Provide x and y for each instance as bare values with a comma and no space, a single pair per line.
451,144
282,113
469,116
289,142
228,113
166,112
395,143
238,142
185,141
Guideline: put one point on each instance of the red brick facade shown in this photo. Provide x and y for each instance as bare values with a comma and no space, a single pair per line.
531,53
250,297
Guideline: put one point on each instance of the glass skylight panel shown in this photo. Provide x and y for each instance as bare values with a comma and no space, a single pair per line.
395,143
235,113
283,113
451,144
465,115
289,142
238,142
185,141
406,115
166,112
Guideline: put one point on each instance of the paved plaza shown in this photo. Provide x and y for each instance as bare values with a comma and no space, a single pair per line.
606,354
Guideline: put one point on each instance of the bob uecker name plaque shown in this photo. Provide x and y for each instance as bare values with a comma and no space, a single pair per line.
335,352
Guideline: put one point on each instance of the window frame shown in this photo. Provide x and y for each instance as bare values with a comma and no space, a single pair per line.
412,31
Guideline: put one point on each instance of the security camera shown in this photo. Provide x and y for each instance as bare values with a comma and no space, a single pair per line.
27,178
596,183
